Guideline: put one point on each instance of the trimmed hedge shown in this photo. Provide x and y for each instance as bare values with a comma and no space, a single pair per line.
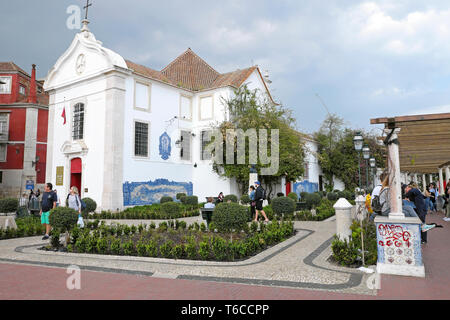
293,196
63,218
8,205
245,199
229,216
171,209
165,199
231,197
91,205
312,199
181,194
283,205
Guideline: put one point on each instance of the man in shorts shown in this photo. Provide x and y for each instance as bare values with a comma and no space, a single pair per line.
49,200
259,198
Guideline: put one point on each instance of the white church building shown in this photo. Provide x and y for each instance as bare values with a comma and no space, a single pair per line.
126,135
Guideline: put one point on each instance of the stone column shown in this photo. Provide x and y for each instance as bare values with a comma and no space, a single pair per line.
441,181
447,173
343,219
360,210
416,180
424,181
395,187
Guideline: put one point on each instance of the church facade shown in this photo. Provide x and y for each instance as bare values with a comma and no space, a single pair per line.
125,134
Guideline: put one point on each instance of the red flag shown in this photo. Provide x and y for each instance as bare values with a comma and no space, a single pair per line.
64,115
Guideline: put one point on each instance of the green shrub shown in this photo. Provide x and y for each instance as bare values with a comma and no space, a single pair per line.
151,249
269,212
192,201
165,199
116,246
140,248
204,250
280,194
91,205
177,251
54,239
180,195
102,245
171,210
230,197
166,249
344,252
332,196
229,216
63,218
128,248
8,205
293,196
245,199
183,199
219,248
312,199
283,205
162,227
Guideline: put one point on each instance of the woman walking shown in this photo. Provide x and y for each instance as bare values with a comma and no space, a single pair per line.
73,200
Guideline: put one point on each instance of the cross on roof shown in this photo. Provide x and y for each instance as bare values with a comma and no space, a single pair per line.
86,7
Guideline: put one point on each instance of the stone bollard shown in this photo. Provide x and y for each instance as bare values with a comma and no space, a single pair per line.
343,219
360,209
7,222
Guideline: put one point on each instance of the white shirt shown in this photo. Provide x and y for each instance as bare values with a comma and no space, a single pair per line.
209,205
376,190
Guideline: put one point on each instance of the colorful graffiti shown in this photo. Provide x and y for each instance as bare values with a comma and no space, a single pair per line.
393,235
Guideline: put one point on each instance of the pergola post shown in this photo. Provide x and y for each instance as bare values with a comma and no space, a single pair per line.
398,237
416,180
441,182
424,180
447,173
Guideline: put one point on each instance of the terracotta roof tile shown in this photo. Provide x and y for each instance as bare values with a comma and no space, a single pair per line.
11,66
191,72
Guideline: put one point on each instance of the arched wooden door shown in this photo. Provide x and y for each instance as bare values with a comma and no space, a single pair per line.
75,173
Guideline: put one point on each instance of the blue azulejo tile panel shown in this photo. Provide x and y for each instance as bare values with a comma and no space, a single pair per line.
142,193
305,186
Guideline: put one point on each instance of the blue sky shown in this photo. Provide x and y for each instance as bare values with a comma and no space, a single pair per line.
365,59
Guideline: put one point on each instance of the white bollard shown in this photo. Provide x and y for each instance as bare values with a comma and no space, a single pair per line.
343,219
360,210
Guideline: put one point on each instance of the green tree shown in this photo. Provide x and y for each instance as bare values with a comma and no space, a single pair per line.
249,110
337,155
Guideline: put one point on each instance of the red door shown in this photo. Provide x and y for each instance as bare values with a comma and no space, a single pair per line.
288,187
75,173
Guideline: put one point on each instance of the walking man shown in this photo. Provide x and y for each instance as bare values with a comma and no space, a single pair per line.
49,200
259,198
414,195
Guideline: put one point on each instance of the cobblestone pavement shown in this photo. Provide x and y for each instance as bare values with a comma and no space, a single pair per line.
295,269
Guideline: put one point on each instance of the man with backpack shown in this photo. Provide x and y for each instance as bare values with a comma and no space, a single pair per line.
260,196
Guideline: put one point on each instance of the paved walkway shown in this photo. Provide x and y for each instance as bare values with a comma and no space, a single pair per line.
295,269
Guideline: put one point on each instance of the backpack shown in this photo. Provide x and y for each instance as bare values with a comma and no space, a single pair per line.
377,206
263,191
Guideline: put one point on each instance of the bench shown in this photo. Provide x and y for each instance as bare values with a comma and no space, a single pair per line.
207,214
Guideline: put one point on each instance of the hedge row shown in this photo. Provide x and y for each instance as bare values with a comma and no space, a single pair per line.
181,244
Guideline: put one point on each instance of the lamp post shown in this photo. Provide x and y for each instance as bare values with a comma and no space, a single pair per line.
373,164
358,141
366,156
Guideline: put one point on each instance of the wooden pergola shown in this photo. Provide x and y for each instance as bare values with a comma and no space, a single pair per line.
424,141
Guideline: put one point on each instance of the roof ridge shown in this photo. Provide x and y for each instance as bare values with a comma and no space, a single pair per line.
189,50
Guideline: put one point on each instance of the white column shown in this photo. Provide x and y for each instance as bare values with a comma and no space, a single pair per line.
343,219
441,182
416,180
447,173
424,181
395,187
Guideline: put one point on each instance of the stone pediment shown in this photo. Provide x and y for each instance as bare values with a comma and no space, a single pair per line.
74,147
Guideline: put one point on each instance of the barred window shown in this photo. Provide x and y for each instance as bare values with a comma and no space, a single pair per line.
2,152
185,152
205,139
4,124
141,139
78,121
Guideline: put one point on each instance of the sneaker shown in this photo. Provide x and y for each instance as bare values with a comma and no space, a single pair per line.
427,227
423,242
45,237
446,219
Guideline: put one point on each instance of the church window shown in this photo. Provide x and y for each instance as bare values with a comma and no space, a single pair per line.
78,121
142,96
185,152
185,108
206,108
141,139
4,126
22,90
205,139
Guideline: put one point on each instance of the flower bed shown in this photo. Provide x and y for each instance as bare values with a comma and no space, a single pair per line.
176,240
26,227
324,211
168,210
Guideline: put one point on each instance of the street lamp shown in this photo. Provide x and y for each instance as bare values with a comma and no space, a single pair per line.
366,156
373,164
358,141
